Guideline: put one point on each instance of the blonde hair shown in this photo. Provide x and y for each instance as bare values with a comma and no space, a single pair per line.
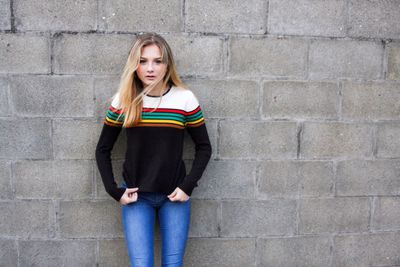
131,91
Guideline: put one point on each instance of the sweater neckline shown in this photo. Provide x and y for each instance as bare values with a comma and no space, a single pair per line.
157,96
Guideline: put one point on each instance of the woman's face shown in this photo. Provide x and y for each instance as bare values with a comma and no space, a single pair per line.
151,67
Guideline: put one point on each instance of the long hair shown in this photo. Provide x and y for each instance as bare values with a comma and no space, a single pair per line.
131,90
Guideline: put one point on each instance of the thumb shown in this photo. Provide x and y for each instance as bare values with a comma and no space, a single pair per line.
132,190
173,193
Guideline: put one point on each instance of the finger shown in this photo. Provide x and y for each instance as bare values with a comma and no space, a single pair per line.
173,193
175,198
132,190
133,199
132,195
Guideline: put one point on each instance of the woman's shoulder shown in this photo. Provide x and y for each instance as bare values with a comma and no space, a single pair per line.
189,98
184,92
115,100
114,115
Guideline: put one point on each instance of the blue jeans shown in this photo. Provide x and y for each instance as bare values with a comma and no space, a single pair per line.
139,220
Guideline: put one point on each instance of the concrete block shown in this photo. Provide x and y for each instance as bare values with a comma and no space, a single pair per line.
278,179
292,179
257,139
72,144
393,59
380,249
125,15
334,215
57,16
91,53
27,219
371,101
8,253
292,99
227,16
52,96
200,55
5,109
224,252
24,53
268,57
388,143
316,178
104,89
256,218
368,178
35,179
29,138
307,17
386,215
345,59
204,221
375,19
231,98
294,251
5,15
227,179
53,179
335,140
57,253
74,178
113,253
101,219
6,191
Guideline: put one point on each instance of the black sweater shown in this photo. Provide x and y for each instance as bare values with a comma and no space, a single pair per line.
153,158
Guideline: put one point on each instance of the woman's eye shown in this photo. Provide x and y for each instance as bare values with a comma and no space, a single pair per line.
142,61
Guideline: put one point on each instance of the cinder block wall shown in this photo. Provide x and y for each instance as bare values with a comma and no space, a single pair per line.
302,101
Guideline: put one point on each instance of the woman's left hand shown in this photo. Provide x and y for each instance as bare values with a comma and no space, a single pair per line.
178,195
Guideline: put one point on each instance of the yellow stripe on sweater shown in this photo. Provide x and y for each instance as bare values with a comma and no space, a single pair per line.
194,122
164,121
113,121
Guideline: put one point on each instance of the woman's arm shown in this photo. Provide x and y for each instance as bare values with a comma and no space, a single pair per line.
108,137
196,127
202,156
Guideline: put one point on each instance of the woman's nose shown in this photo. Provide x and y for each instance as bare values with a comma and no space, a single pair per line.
150,67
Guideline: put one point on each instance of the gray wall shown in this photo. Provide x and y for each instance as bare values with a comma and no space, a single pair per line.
302,101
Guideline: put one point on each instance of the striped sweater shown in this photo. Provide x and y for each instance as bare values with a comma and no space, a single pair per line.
154,148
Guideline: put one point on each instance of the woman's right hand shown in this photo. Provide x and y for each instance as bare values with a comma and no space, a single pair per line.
130,195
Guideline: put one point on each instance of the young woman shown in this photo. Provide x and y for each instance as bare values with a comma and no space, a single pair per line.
154,107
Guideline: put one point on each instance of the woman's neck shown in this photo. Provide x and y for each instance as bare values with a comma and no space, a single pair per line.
159,90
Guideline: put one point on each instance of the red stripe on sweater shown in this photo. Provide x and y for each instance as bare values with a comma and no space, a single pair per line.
194,111
172,110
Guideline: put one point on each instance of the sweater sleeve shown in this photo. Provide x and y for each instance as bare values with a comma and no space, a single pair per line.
196,127
111,128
